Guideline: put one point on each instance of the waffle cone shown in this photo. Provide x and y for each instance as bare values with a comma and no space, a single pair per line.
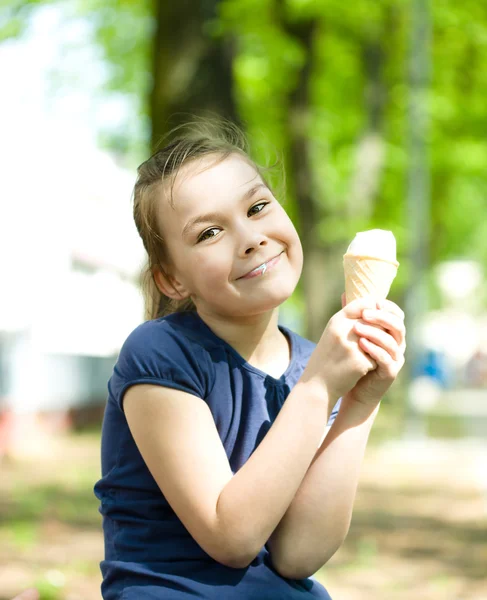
367,276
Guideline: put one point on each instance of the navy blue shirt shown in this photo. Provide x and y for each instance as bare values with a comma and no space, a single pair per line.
148,552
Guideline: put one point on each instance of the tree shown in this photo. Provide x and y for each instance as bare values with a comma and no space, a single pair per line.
191,65
324,82
331,132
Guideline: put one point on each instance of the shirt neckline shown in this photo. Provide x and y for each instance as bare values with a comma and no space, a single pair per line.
293,351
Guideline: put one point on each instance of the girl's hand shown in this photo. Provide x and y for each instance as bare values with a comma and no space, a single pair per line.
382,336
338,362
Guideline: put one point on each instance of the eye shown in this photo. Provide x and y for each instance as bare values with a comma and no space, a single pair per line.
202,236
256,205
207,234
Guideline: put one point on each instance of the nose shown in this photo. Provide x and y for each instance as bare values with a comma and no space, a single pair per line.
252,241
250,249
250,237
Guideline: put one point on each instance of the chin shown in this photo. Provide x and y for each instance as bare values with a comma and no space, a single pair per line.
263,305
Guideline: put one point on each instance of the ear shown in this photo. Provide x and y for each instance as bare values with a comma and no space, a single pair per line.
168,285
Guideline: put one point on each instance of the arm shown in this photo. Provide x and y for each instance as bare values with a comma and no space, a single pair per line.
318,519
230,516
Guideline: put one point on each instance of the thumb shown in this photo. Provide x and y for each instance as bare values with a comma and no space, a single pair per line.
353,310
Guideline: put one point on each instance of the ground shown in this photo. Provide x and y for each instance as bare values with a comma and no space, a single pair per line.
419,528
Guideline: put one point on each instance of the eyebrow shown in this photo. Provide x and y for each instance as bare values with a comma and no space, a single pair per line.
214,216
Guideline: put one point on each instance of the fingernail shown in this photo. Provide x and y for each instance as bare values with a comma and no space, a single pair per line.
367,314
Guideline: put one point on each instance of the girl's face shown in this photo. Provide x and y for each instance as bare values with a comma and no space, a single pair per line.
226,223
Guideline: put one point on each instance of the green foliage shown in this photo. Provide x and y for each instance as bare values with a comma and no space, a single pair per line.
48,590
123,29
22,533
15,15
269,56
265,69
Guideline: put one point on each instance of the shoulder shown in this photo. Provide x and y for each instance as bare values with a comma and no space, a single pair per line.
304,344
167,335
165,350
302,347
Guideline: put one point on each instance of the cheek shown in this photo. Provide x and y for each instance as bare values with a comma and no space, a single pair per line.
294,243
298,258
210,267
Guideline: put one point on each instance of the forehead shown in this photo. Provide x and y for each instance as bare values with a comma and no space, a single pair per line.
204,182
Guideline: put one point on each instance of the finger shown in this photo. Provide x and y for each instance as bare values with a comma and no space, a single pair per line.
372,365
354,309
387,368
380,338
388,321
393,308
378,354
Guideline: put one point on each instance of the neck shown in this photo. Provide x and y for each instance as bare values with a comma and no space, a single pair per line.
254,338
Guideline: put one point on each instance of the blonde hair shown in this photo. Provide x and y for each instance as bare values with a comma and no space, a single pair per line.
199,138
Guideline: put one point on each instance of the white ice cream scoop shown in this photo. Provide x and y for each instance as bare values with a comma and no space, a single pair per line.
374,243
370,264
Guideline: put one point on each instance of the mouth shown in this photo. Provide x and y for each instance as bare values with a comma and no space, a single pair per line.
261,269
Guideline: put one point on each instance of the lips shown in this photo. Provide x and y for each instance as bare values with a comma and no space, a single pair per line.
261,269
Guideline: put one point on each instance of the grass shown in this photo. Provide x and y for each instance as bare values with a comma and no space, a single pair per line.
50,528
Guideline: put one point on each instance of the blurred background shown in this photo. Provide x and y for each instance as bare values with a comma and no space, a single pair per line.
377,112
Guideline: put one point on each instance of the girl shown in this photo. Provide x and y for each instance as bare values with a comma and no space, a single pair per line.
220,477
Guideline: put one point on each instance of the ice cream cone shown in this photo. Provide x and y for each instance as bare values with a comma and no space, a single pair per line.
368,276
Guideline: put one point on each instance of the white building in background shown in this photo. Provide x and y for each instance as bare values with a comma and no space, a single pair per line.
69,251
70,257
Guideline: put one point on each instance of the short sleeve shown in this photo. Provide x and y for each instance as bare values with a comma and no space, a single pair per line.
157,353
334,412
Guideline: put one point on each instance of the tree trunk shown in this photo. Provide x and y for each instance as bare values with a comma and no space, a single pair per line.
419,198
322,278
192,71
370,152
